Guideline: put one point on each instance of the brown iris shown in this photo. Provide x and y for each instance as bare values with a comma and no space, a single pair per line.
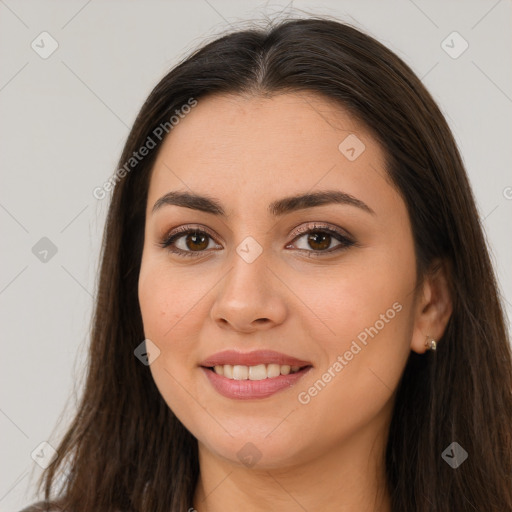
317,241
196,240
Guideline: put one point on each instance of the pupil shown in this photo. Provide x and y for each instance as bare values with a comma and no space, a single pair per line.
198,241
324,236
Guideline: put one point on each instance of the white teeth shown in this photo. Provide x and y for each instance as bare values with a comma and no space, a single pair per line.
228,370
258,372
240,372
273,370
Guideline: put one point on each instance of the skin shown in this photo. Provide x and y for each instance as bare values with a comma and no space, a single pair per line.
246,152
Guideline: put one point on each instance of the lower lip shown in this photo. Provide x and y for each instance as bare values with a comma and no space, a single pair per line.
251,389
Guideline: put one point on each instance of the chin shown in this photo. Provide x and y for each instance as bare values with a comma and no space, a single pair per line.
255,453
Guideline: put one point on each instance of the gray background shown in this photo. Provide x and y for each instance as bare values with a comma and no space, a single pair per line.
64,120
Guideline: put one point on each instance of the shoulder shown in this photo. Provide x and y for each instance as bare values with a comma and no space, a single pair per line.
42,506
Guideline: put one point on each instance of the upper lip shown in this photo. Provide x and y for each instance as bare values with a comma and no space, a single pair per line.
253,358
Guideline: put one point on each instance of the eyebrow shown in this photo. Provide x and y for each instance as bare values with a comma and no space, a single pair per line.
276,208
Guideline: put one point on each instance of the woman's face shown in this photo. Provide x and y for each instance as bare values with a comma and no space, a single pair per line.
252,293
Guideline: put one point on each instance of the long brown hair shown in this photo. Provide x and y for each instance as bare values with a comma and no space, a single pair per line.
126,451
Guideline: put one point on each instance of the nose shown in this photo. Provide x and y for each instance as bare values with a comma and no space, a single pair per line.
249,298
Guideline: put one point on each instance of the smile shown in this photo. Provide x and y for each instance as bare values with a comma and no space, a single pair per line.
253,375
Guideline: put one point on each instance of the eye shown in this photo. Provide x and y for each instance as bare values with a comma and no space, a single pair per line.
187,241
320,239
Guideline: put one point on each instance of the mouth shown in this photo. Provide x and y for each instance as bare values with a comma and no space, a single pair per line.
253,375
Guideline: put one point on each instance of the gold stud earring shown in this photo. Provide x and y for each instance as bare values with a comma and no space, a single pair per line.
430,343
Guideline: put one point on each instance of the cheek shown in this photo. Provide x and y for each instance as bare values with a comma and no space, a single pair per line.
164,304
156,303
173,304
357,299
167,298
363,364
167,308
365,311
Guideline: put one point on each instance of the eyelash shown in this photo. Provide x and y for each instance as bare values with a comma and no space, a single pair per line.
345,241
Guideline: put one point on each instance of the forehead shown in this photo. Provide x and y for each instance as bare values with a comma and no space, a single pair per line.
250,146
292,125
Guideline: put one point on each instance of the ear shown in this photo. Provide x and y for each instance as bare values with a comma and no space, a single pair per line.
433,306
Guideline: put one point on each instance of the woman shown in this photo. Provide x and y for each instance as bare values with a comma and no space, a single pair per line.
296,307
